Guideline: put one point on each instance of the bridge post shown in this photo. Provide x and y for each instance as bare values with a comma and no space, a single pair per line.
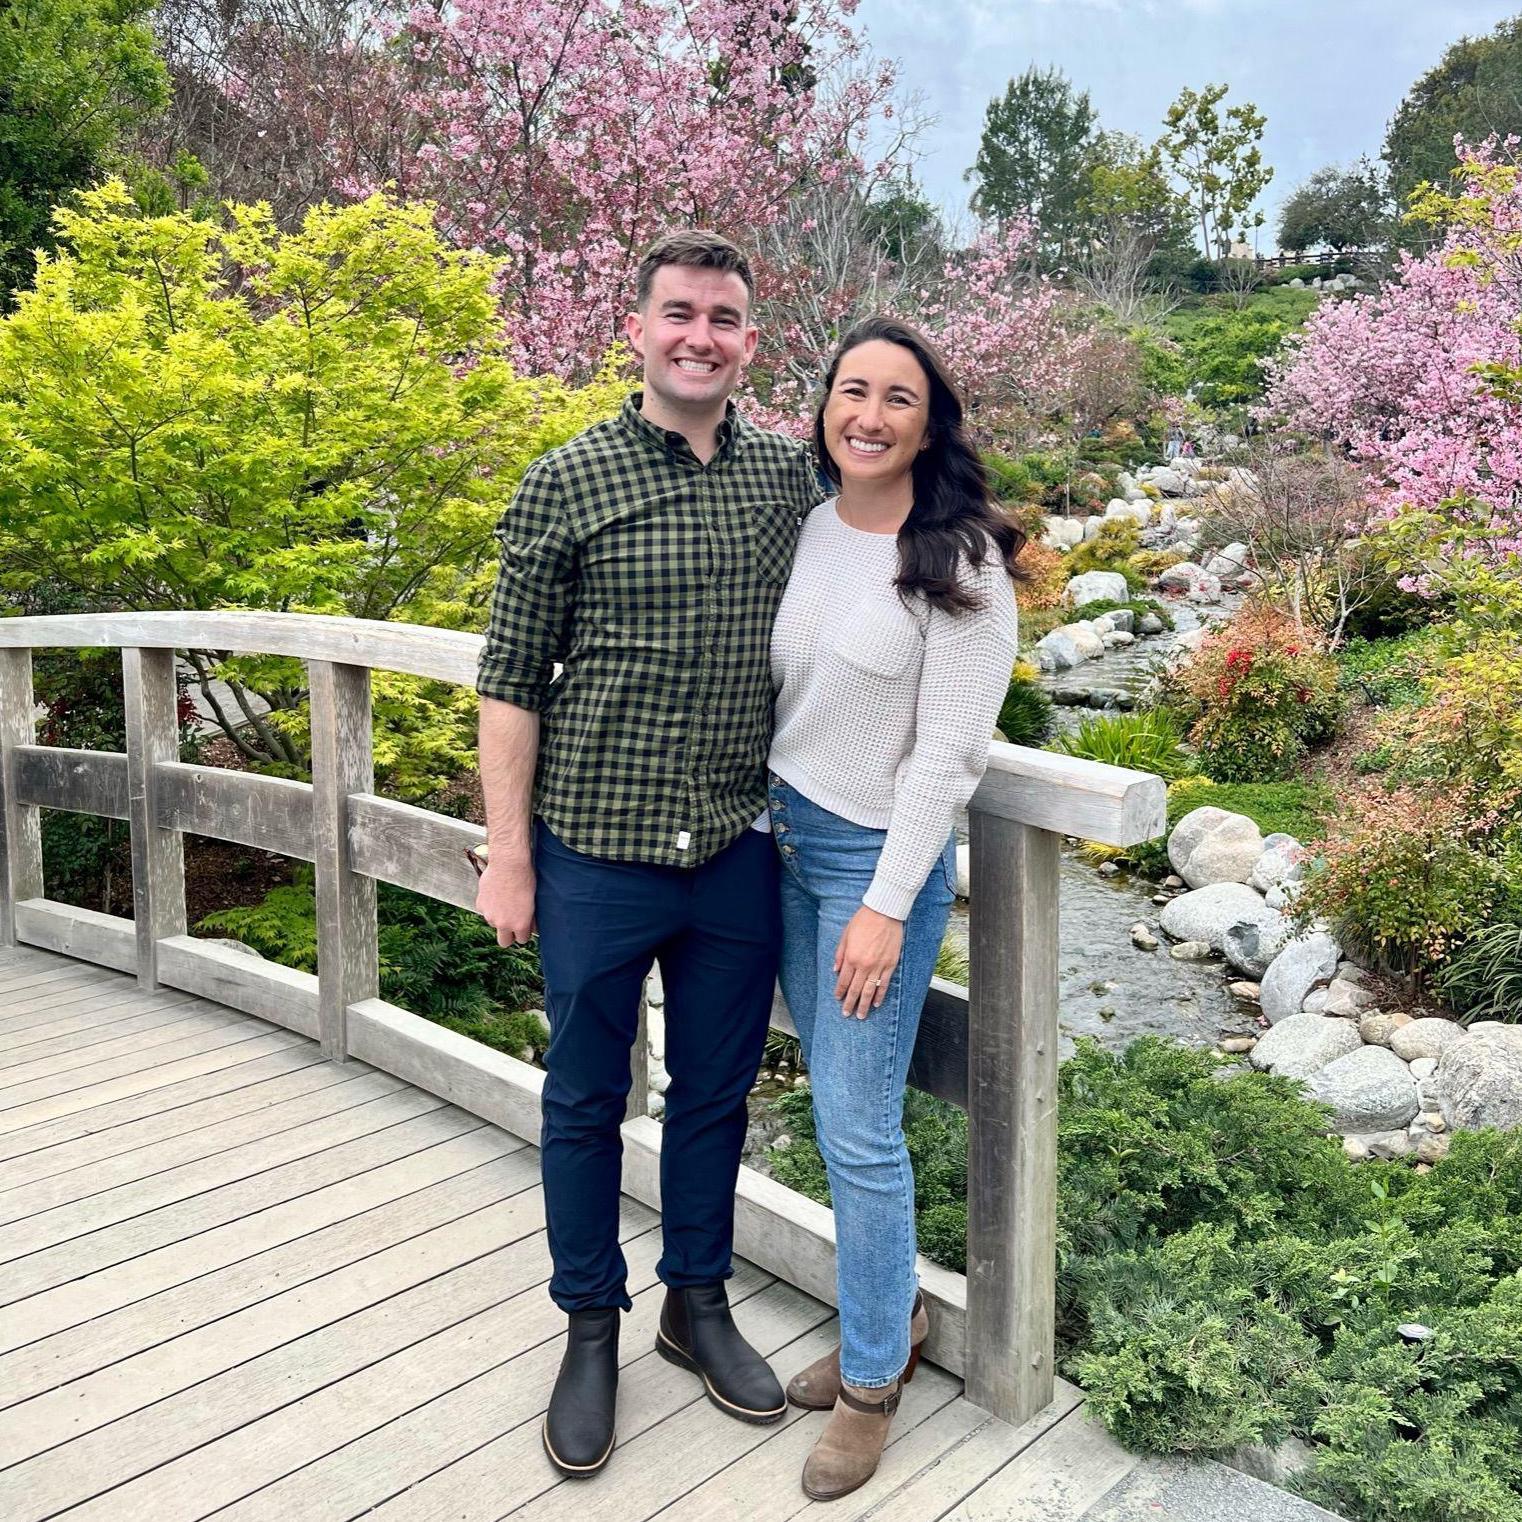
158,856
342,765
20,827
1012,1116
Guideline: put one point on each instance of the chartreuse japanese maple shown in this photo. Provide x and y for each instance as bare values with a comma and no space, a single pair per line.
204,414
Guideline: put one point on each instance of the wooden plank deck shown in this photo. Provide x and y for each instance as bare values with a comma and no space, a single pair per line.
239,1281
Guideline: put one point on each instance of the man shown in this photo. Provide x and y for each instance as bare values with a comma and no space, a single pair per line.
648,555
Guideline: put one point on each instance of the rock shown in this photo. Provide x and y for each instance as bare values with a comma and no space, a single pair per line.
1173,880
1206,588
1297,284
1376,1027
1354,1149
1087,643
1400,1017
1479,1080
1386,1144
1346,999
1139,513
1190,951
1180,577
1063,533
1094,585
655,1104
1274,1465
1056,652
1231,561
1170,481
1125,484
1210,845
1304,1044
1208,914
1368,1090
964,870
1423,1067
1118,640
1122,620
1280,862
1070,697
1426,1038
1108,869
1091,527
1150,623
1238,1043
1315,1000
1295,971
1243,990
1143,939
1433,1149
1433,1120
1351,972
1251,944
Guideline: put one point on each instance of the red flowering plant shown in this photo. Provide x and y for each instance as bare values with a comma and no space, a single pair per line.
1256,695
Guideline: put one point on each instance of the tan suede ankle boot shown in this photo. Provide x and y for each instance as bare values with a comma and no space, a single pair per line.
847,1453
816,1387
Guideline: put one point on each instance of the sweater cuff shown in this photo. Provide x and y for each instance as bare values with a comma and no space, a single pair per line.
890,899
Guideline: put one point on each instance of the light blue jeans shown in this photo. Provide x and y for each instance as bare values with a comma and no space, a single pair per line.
858,1068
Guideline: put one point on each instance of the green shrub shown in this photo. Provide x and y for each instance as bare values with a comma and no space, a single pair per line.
1025,716
1483,979
1388,673
436,960
1256,697
1225,1275
1108,550
1399,882
1146,742
1137,605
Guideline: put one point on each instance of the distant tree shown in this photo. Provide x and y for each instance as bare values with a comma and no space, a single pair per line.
74,74
1476,91
906,226
1216,156
1338,208
1034,158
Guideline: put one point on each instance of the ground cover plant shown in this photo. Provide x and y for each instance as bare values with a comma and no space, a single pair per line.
1226,1275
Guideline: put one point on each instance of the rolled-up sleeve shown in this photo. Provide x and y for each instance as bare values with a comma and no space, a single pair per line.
531,604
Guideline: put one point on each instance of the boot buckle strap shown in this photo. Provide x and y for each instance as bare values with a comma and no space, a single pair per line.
884,1407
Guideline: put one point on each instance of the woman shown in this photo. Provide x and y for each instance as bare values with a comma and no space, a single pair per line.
890,656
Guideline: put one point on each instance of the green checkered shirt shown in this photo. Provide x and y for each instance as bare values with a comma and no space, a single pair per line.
654,579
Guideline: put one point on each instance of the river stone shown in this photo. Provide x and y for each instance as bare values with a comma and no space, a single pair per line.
1243,990
1430,1037
1206,588
1207,914
1386,1144
1139,513
1423,1067
1479,1081
1211,845
1304,1044
1376,1027
1231,561
1091,527
1346,999
1063,533
1433,1149
1091,586
1169,481
1295,971
1150,623
1251,945
1315,1000
1369,1090
1056,652
1279,863
1190,951
1180,577
1087,643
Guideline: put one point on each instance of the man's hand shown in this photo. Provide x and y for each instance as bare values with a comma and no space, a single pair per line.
505,900
864,961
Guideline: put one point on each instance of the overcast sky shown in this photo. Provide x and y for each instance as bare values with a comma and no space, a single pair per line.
1328,74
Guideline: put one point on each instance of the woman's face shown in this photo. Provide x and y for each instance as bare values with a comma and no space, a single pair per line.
877,415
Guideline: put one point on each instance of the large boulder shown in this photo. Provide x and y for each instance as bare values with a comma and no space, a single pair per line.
1369,1090
1210,845
1304,1044
1209,914
1056,652
1294,972
1228,563
1139,513
1169,481
1091,586
1063,533
1088,644
1479,1081
1125,484
1252,944
1180,577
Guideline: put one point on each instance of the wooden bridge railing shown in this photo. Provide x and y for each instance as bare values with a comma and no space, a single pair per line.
991,1049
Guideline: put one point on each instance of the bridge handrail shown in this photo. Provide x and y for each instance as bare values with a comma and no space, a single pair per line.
991,1049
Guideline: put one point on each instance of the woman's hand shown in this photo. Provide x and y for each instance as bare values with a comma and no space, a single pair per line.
864,961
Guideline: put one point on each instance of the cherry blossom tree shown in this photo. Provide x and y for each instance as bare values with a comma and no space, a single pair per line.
1421,381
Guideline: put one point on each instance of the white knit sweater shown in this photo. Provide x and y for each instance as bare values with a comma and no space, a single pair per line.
884,713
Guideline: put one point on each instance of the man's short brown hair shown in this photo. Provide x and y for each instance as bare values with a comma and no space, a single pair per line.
692,248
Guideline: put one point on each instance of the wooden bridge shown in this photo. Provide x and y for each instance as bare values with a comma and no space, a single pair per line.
274,1248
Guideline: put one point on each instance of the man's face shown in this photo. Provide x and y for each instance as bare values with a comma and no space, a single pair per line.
694,336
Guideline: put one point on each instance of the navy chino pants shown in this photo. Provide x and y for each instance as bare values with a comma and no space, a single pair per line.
715,931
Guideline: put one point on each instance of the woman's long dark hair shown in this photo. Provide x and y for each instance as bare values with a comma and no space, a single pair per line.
954,512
